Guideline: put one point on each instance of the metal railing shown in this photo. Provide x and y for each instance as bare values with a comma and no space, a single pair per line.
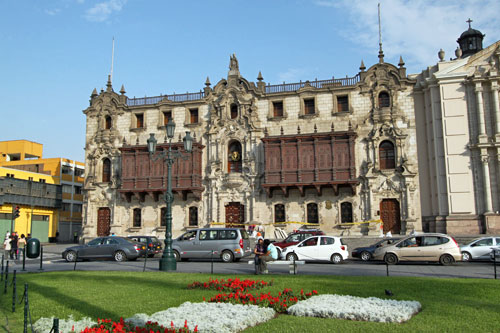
285,87
174,98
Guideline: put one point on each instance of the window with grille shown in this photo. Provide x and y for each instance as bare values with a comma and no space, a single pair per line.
279,213
387,155
108,122
193,114
309,106
137,217
193,216
346,212
278,109
140,120
234,111
167,117
312,213
384,100
342,104
106,170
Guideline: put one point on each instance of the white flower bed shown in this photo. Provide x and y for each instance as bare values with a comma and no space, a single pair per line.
210,317
356,308
44,325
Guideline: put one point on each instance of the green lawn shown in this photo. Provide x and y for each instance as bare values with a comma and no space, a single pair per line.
448,305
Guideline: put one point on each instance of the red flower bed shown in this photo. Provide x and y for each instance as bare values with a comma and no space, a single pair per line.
109,326
229,285
279,303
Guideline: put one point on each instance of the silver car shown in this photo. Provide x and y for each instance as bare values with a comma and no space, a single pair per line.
229,244
479,249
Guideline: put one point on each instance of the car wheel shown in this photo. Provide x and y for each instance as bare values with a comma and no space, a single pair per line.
227,256
120,256
390,259
336,258
446,260
466,256
291,257
177,256
70,256
365,256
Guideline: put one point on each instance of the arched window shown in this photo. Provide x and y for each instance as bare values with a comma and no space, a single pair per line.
387,155
279,213
346,212
106,170
384,100
193,216
312,213
107,122
163,213
234,157
137,218
234,111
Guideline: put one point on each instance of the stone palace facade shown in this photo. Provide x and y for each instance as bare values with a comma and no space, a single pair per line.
322,154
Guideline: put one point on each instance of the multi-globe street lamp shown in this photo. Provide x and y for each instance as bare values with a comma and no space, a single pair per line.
168,261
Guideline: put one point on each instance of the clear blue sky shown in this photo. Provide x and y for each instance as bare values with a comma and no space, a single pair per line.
55,52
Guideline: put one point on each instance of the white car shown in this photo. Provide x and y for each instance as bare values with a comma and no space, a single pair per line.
479,248
317,248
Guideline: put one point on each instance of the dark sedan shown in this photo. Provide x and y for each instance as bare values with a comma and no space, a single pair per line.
154,245
114,247
366,253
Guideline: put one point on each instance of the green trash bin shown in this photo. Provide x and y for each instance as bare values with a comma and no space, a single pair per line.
33,248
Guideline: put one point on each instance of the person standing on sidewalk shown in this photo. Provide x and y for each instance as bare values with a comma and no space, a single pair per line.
13,245
7,247
21,243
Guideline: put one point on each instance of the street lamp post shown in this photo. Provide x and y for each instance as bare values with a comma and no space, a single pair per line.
168,261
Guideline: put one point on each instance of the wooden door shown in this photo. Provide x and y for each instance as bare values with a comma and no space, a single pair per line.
235,215
389,213
103,221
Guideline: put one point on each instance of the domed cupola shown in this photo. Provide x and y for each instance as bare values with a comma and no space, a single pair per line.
470,41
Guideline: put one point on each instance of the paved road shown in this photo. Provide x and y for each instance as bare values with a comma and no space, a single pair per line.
54,262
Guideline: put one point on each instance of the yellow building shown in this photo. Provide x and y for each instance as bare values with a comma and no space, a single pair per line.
27,155
39,199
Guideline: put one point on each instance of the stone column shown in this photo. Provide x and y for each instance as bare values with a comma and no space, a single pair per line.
496,108
487,186
480,110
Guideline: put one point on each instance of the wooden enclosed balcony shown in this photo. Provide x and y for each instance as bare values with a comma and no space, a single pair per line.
315,160
142,176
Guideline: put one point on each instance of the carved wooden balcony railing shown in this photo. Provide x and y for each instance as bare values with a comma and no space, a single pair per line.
315,160
142,176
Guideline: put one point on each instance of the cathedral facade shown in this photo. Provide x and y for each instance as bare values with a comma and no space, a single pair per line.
322,154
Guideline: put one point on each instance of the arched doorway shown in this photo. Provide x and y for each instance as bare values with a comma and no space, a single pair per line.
390,215
234,157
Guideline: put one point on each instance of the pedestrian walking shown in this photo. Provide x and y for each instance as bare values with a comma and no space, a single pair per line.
21,243
259,250
13,245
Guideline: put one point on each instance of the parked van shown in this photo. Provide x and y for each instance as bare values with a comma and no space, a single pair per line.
229,244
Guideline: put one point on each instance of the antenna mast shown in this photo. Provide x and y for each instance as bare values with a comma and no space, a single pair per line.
112,58
380,52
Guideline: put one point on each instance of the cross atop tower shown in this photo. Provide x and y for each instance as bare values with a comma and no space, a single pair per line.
469,21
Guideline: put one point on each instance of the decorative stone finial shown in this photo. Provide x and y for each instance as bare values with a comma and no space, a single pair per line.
362,67
122,90
315,129
350,126
266,133
401,62
458,52
94,93
380,54
180,138
332,128
441,55
207,82
137,141
282,130
298,129
259,77
108,84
